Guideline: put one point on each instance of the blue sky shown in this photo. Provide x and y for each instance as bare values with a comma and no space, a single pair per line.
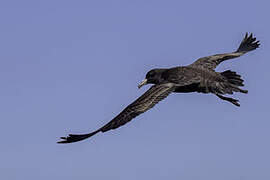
71,66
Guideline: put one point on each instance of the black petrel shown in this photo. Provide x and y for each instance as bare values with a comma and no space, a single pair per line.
199,76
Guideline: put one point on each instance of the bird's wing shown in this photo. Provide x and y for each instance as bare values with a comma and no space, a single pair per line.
210,62
149,99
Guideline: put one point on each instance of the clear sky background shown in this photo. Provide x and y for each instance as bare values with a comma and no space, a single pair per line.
71,66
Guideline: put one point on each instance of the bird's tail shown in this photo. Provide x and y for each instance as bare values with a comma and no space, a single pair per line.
234,80
77,137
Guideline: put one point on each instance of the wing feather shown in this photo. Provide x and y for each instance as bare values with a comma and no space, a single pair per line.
211,62
148,100
145,102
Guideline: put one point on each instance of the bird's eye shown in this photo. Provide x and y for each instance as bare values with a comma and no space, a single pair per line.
152,74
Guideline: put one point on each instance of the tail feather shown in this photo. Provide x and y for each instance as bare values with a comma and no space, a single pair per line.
234,80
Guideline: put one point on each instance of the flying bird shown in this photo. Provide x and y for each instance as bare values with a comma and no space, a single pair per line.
199,76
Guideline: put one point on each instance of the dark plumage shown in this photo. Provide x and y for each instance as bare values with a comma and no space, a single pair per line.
199,76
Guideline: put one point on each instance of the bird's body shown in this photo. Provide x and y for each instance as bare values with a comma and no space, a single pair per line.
199,76
192,79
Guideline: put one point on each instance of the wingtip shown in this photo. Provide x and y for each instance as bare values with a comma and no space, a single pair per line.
76,137
61,142
248,43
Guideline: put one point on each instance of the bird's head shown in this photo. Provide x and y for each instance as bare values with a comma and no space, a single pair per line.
153,76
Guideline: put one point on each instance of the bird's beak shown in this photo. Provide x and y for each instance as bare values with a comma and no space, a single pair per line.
144,82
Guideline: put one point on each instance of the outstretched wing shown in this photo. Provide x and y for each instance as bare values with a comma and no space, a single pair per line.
149,99
210,62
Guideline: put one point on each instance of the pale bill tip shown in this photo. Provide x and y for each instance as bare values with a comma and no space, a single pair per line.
144,82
